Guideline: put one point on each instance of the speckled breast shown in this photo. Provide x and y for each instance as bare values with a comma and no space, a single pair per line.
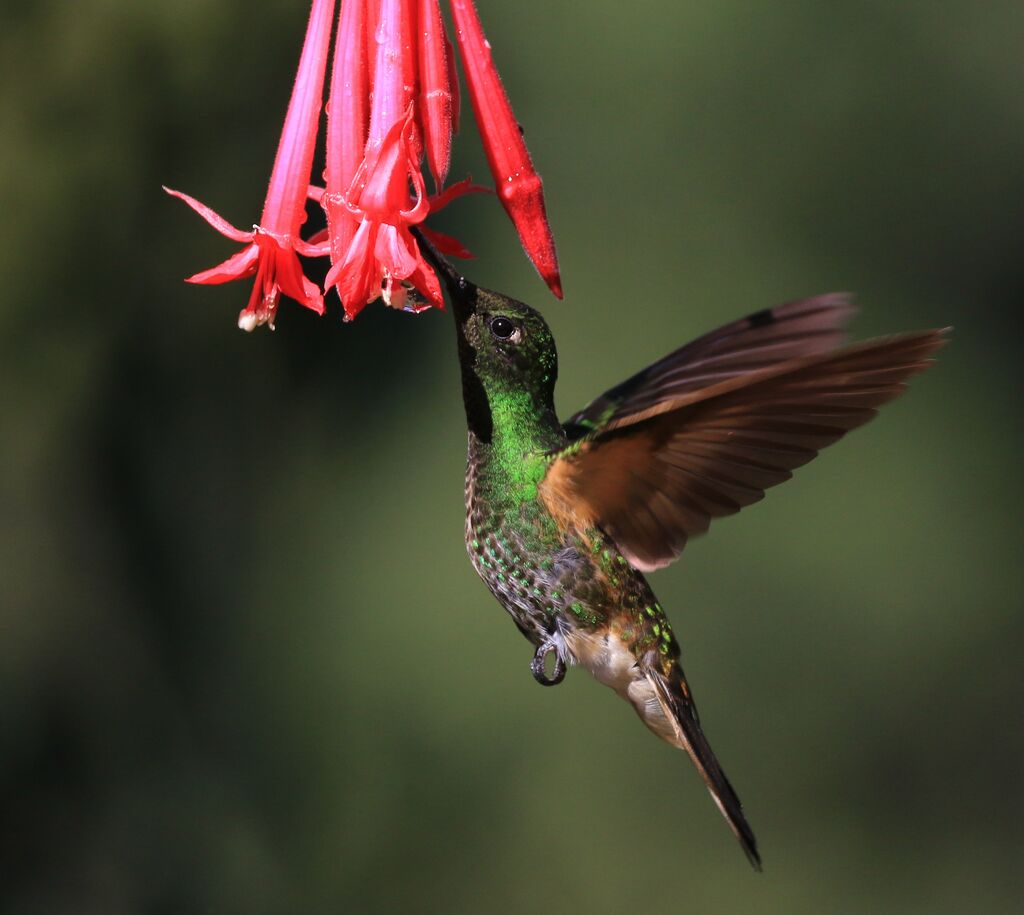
540,577
509,565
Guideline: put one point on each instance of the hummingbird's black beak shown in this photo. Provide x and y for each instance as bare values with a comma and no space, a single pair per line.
463,295
461,291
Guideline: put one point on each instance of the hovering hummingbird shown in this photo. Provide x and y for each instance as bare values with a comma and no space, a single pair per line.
563,519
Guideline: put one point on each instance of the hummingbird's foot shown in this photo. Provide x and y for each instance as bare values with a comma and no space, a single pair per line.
537,665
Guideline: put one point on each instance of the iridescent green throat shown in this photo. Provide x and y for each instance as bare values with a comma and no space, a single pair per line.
523,435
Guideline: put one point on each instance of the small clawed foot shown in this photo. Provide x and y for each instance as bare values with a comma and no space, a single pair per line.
537,666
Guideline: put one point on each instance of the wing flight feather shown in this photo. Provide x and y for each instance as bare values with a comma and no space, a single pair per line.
671,455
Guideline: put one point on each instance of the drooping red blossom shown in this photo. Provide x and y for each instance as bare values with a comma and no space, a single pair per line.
436,100
518,184
383,250
393,99
274,244
382,254
356,276
348,117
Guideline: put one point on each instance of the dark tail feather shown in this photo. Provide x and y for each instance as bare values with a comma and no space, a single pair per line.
674,696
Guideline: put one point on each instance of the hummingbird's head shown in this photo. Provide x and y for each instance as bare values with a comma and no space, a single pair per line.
506,343
507,355
505,348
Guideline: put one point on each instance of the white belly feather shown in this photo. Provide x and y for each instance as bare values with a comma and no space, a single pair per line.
612,663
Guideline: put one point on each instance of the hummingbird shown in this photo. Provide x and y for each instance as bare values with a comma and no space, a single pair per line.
564,518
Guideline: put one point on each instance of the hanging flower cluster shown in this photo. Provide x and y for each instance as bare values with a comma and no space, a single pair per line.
393,99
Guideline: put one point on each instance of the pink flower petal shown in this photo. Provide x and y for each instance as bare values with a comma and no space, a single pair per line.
393,254
447,244
214,219
235,267
459,189
317,246
358,277
285,273
412,158
425,280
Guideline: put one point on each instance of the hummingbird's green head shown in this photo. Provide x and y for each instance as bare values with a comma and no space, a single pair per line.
507,354
506,350
507,344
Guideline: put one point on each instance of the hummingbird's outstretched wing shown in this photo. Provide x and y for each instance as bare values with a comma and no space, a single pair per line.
669,452
802,328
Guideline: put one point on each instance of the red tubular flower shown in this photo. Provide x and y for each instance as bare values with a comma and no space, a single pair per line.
393,69
271,253
518,184
393,97
382,255
347,122
435,89
383,250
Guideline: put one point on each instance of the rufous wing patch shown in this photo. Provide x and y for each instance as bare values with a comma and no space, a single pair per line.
582,489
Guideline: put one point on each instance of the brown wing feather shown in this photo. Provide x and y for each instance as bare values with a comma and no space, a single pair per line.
805,327
656,476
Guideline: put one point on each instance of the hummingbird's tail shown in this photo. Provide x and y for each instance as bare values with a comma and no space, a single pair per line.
656,688
681,727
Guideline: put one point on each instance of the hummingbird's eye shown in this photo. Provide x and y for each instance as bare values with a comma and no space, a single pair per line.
502,328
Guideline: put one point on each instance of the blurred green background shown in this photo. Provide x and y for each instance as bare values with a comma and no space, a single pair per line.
245,665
